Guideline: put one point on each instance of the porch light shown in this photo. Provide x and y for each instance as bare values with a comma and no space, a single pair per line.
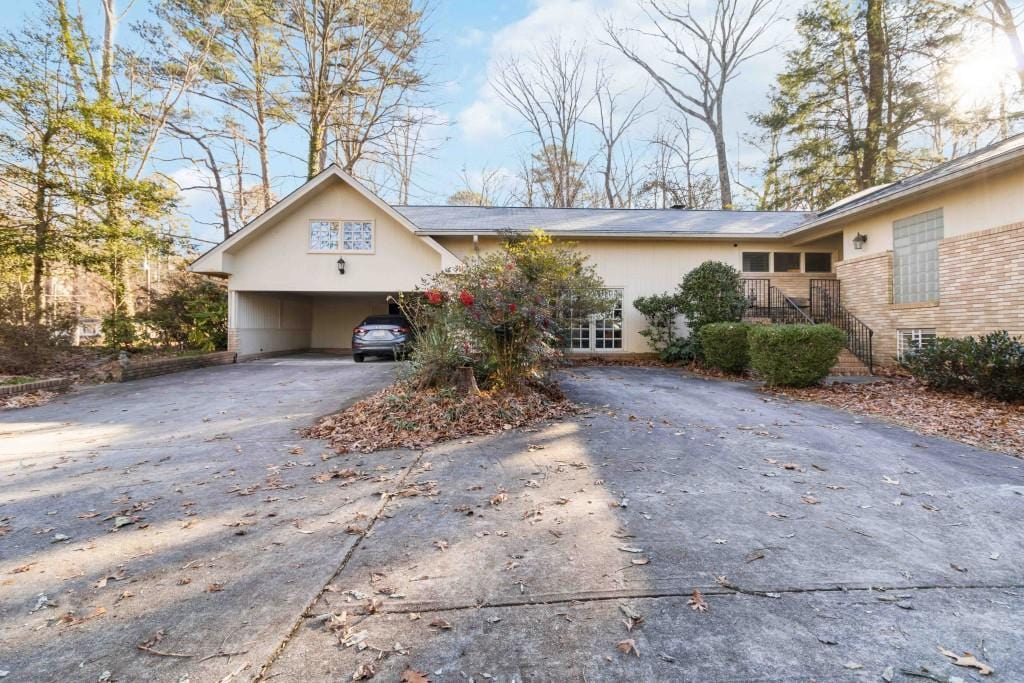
341,264
858,241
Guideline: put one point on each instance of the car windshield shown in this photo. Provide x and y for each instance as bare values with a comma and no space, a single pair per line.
386,320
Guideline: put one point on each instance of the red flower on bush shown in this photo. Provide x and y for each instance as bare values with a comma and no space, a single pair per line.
466,298
434,297
511,308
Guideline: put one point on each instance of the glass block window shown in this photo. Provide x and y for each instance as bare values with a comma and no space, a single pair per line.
755,261
909,340
915,259
818,262
357,236
323,235
787,262
598,332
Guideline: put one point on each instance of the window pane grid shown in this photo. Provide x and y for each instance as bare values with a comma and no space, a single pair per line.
909,340
323,236
915,267
358,236
598,332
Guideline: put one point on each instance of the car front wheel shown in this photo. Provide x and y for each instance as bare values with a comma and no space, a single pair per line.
357,357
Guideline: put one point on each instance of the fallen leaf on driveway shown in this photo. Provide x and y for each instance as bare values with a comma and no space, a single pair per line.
442,624
627,646
630,549
853,665
633,618
968,660
697,602
499,498
413,676
364,671
214,587
441,545
810,500
641,560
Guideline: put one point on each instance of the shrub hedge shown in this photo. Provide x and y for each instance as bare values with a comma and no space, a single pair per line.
725,346
991,365
794,355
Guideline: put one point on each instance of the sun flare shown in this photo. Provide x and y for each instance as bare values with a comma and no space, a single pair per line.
979,76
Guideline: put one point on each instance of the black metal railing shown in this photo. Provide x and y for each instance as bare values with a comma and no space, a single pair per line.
784,310
826,307
756,291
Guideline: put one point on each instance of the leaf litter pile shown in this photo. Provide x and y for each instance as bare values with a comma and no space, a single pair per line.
399,417
969,419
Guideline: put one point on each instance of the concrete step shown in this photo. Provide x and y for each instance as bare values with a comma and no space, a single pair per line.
848,364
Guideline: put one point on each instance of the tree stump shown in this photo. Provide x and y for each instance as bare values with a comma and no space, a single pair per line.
465,382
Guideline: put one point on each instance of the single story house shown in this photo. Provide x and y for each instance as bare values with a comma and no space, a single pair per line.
938,253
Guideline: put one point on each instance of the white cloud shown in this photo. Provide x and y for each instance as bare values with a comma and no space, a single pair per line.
483,119
471,38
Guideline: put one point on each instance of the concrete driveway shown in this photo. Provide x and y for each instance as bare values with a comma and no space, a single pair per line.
827,547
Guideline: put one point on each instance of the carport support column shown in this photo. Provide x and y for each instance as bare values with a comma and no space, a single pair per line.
232,321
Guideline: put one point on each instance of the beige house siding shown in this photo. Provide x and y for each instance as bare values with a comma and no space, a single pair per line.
335,316
279,258
268,323
985,201
981,289
641,267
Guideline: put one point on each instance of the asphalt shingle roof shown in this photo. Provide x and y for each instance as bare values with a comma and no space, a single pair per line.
469,220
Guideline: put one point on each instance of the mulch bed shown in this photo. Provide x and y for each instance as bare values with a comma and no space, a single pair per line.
969,419
399,417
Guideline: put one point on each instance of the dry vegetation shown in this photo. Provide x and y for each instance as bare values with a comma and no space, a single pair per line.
963,417
399,417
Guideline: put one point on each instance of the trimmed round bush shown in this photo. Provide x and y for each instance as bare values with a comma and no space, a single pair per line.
794,355
725,346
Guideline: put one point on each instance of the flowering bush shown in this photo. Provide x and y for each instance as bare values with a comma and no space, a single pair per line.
505,311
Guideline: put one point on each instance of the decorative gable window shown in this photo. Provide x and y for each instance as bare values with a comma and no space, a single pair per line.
341,236
915,263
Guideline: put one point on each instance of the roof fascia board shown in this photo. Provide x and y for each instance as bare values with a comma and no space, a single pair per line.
1009,158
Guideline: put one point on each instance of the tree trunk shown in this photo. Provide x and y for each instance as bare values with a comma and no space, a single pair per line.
875,92
465,382
724,183
1004,16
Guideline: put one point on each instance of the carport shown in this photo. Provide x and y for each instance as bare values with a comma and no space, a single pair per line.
262,323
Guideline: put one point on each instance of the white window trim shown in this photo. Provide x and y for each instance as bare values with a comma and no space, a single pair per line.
593,319
918,336
341,236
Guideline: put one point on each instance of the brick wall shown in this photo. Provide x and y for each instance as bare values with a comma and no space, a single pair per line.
165,366
55,384
981,289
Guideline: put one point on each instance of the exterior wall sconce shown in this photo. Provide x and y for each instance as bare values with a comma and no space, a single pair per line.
858,241
341,264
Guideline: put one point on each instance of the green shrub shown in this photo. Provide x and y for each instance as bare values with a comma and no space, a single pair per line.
991,365
794,355
660,311
725,346
681,350
711,293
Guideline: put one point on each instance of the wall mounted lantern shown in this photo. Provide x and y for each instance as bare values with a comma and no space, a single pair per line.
859,240
341,264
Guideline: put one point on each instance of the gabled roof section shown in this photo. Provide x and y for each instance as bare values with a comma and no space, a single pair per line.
265,219
1005,151
669,223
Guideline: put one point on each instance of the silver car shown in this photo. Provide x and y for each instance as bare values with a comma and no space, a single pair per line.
381,335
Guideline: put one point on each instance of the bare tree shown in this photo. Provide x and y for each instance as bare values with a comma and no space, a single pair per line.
705,55
353,61
614,120
674,177
405,144
479,191
548,90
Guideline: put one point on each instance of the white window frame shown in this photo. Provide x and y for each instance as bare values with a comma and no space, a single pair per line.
914,338
597,322
340,225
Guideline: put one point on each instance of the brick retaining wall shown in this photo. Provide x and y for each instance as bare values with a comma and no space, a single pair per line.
164,366
54,384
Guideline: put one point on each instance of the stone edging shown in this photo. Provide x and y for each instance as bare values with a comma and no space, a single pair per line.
53,384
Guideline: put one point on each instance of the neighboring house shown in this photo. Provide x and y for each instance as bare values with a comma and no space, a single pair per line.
937,253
